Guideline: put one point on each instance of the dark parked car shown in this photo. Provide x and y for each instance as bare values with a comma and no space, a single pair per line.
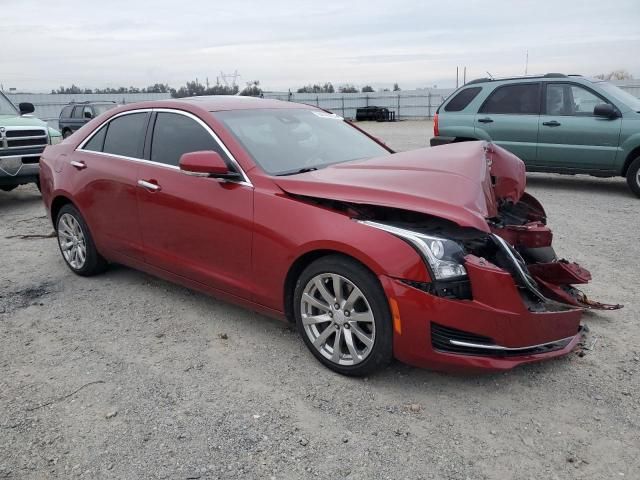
75,115
435,256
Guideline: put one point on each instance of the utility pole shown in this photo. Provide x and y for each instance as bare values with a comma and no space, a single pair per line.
456,77
526,64
464,76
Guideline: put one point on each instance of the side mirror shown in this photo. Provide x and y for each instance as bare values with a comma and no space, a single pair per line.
26,107
88,115
605,110
206,163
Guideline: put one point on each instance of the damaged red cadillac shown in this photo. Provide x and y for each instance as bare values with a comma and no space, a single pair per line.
437,257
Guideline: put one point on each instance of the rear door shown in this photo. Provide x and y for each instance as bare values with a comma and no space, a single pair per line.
509,116
196,227
77,119
571,137
105,168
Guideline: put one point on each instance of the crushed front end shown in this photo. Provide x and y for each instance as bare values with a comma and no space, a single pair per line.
496,298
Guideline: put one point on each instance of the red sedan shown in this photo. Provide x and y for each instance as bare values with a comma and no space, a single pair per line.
436,257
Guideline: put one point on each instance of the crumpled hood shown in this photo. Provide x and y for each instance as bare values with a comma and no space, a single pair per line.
452,182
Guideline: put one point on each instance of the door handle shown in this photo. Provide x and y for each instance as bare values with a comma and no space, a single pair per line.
485,120
78,165
552,123
152,187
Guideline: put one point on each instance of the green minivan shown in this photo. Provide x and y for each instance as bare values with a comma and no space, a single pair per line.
554,123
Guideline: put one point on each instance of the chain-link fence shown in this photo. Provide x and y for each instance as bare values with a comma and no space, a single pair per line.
405,104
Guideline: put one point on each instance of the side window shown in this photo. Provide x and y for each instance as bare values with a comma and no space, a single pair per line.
96,143
125,135
462,99
175,134
66,111
77,111
87,112
566,99
517,99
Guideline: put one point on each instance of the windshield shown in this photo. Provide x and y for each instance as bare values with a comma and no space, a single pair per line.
629,100
286,141
6,107
100,109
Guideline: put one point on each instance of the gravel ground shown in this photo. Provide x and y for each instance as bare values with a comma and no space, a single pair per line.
127,376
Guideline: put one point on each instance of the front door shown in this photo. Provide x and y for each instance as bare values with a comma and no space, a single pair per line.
196,227
510,117
570,135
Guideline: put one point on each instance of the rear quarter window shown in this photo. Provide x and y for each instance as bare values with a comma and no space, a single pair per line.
96,144
462,99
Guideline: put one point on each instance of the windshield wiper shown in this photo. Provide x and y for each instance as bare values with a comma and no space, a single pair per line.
295,172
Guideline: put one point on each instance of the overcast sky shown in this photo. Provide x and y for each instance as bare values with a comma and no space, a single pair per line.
286,43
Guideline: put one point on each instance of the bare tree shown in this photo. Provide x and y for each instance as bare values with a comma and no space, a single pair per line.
348,89
616,75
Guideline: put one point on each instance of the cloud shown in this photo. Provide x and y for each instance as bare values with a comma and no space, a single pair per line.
285,44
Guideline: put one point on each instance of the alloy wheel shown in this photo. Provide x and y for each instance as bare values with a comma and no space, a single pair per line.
337,319
72,241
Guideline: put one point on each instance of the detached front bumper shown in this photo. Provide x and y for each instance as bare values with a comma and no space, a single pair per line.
495,331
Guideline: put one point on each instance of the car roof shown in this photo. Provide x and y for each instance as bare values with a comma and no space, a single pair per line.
93,102
215,103
211,103
546,77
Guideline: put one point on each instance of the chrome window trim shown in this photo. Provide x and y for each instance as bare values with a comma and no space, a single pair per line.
190,115
97,129
509,349
132,159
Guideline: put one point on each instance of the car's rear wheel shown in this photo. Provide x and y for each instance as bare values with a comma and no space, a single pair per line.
66,133
76,244
633,176
343,316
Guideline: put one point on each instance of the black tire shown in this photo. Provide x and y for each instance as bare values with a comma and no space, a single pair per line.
66,133
94,263
381,352
633,176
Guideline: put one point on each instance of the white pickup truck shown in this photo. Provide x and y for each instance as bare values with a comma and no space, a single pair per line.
23,137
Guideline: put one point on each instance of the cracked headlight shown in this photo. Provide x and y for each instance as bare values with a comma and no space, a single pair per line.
444,257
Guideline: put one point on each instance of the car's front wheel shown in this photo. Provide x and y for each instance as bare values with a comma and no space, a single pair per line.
343,316
633,176
76,244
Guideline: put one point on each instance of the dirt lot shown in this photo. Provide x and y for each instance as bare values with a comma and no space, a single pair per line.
126,376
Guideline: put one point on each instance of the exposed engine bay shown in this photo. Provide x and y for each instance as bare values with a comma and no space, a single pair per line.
519,242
